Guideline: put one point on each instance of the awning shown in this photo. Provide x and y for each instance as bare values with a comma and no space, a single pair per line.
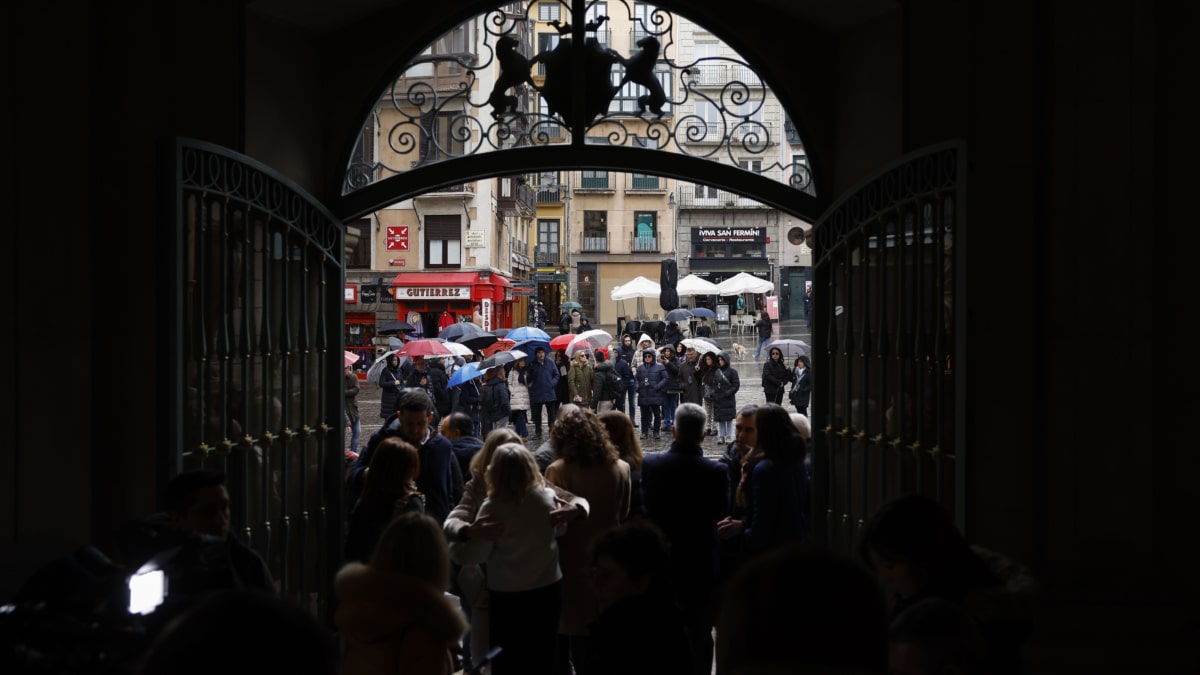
449,286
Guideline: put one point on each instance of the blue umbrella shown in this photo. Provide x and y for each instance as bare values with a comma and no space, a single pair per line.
467,373
531,346
528,333
704,312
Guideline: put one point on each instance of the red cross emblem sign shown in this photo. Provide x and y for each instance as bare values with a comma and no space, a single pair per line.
397,238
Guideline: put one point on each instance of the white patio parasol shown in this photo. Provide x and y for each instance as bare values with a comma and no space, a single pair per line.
694,285
744,283
638,287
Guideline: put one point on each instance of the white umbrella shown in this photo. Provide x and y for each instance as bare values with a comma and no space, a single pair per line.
694,285
638,287
589,340
744,283
458,349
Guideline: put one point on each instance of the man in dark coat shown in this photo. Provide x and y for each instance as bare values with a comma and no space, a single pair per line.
459,429
685,496
764,332
672,335
628,397
495,401
674,386
541,377
691,388
725,399
652,387
440,480
430,375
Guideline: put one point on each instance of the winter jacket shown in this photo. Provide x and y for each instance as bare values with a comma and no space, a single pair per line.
692,387
775,376
764,327
621,365
726,384
672,334
468,392
436,385
674,383
517,389
391,381
390,618
601,389
465,448
801,386
540,380
777,514
495,400
579,383
652,380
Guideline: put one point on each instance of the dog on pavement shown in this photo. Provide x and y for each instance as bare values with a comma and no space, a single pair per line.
739,352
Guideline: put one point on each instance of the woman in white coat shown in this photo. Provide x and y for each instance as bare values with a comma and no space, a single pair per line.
518,391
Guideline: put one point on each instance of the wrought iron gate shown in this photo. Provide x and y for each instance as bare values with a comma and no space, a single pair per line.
889,415
253,274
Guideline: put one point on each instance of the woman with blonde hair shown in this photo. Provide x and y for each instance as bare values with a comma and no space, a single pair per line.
393,612
524,580
463,525
580,379
588,465
623,435
389,489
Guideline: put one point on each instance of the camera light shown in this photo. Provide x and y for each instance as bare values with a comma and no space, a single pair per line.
146,591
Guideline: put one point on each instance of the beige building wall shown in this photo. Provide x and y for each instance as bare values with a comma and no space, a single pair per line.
615,274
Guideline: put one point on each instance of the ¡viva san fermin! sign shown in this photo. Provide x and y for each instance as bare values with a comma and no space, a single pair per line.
726,234
433,292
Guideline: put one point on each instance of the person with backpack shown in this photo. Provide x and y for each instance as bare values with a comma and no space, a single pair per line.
606,383
495,401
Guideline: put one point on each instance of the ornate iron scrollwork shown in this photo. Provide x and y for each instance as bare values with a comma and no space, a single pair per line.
579,93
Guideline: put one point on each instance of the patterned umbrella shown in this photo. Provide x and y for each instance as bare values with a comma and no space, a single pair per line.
500,345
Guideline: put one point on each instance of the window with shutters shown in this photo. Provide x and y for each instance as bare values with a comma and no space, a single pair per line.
443,242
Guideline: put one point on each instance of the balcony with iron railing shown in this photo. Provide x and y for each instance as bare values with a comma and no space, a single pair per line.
708,198
547,255
515,197
595,242
554,196
595,181
716,74
636,182
520,247
643,244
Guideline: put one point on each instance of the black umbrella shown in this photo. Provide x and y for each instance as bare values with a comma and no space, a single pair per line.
500,359
394,327
477,342
456,332
680,314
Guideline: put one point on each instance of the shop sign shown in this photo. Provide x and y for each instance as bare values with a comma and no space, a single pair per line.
369,293
485,308
397,238
432,292
396,262
388,295
351,293
722,235
550,278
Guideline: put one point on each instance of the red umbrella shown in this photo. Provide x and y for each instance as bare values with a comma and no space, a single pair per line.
501,345
562,341
426,347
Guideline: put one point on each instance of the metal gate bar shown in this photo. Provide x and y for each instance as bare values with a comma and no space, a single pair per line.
257,389
887,421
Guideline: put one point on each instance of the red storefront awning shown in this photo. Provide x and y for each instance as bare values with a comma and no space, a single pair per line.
449,286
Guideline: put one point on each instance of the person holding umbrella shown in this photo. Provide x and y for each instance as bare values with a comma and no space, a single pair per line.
672,333
352,418
519,392
801,384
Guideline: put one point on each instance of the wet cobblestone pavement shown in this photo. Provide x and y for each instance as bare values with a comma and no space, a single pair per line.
749,370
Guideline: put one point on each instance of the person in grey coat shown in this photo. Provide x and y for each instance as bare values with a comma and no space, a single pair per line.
652,387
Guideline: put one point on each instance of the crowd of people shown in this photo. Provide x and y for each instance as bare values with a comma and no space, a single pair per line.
516,523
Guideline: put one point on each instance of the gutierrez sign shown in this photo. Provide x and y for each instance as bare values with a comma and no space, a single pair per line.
433,292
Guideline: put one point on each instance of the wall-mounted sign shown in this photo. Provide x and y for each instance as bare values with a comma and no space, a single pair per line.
485,308
722,235
432,292
351,293
369,293
474,238
397,238
550,278
396,262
